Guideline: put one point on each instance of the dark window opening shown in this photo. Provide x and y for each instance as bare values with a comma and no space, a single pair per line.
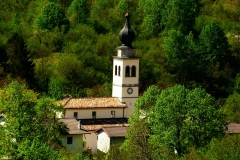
112,114
75,115
133,71
127,72
115,69
69,140
94,114
119,70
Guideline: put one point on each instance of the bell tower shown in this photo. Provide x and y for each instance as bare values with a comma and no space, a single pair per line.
126,70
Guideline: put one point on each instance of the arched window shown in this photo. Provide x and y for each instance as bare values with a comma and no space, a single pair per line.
133,71
115,70
119,70
127,72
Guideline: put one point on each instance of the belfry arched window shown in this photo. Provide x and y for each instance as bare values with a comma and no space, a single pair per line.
127,71
119,70
133,71
115,70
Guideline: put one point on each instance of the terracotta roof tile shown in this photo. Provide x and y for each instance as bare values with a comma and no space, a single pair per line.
233,128
92,103
97,127
63,102
72,124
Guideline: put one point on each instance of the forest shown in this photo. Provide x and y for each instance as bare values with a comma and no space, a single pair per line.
53,49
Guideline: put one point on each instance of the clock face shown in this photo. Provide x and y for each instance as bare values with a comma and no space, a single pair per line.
129,90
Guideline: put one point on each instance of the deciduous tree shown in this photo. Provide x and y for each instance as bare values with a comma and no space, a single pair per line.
27,119
52,16
180,15
183,118
137,137
216,60
173,121
180,53
79,10
232,108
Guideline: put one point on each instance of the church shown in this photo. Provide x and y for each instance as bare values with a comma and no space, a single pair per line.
97,123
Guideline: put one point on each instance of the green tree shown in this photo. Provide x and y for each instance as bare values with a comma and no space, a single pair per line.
35,150
167,15
79,10
180,53
214,44
16,22
225,148
180,15
216,60
123,5
151,12
174,120
100,8
232,108
52,16
56,87
19,61
27,119
183,118
99,15
137,137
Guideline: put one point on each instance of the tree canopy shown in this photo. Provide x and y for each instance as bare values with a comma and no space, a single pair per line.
28,119
177,119
67,47
52,16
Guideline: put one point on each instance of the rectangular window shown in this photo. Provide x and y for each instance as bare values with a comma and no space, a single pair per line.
94,114
112,114
115,69
75,115
69,140
119,70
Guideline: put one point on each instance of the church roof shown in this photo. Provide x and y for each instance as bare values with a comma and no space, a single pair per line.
75,103
72,125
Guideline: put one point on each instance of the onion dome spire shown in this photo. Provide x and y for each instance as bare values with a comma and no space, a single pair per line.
127,35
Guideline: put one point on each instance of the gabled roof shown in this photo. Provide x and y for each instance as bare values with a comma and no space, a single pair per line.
72,125
114,131
233,128
75,103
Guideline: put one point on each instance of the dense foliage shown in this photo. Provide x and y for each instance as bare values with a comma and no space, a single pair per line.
173,121
28,119
64,49
181,42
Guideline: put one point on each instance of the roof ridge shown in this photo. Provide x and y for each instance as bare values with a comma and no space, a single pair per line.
68,99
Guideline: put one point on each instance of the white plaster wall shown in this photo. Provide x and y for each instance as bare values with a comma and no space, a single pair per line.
100,113
130,103
103,142
123,62
117,79
117,89
121,92
77,142
91,141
